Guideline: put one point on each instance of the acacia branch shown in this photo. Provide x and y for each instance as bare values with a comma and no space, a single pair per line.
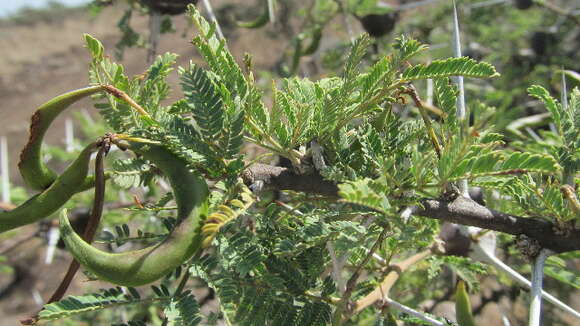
460,210
467,212
280,178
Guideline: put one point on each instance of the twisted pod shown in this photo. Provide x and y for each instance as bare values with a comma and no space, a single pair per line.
33,170
138,267
52,198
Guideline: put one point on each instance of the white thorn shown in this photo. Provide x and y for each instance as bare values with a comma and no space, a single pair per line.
4,169
213,18
429,91
461,110
271,11
536,295
37,297
53,236
69,136
412,312
564,92
489,257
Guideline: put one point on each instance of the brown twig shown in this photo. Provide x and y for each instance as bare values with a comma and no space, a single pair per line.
410,90
459,210
280,178
342,306
90,229
465,211
395,270
433,109
92,225
123,96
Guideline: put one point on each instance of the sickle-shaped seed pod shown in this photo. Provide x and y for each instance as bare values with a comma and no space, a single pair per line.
146,265
51,199
33,170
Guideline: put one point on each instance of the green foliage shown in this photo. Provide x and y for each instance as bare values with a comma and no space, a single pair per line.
467,269
557,269
220,126
367,193
567,122
74,305
539,199
482,160
183,310
129,37
407,48
131,173
219,59
258,280
450,67
446,95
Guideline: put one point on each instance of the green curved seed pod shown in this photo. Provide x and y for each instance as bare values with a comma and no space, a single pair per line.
259,21
33,170
463,306
50,200
146,265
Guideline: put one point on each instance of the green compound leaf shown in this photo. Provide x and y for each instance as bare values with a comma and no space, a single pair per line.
408,47
338,94
131,173
203,100
183,311
365,192
462,66
292,118
550,103
539,199
314,313
446,95
95,47
496,163
556,268
216,54
75,305
233,136
375,79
